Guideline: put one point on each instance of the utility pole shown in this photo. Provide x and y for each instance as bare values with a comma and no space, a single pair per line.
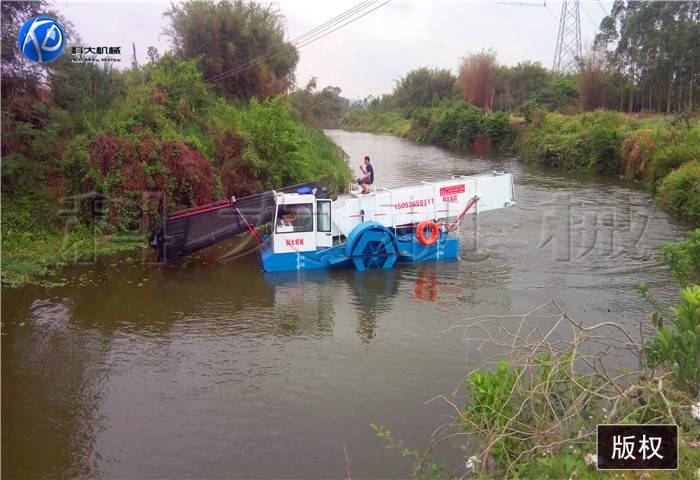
568,49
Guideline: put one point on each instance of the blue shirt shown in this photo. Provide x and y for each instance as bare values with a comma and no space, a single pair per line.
370,170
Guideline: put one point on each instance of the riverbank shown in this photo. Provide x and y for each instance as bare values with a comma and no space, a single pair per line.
663,153
161,140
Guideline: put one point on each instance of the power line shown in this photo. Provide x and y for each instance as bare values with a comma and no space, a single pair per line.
346,23
552,14
303,40
535,3
589,16
602,7
241,69
519,4
334,20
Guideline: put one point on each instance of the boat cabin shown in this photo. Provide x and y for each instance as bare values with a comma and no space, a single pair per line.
302,223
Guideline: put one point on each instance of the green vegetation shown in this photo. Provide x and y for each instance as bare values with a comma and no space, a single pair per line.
33,245
644,60
677,349
381,122
322,109
650,57
81,172
226,35
680,191
535,415
684,260
455,124
663,154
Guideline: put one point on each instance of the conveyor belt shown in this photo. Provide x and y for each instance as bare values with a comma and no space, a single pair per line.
187,231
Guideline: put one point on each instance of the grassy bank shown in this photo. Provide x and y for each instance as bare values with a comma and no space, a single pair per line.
76,179
34,244
453,124
663,153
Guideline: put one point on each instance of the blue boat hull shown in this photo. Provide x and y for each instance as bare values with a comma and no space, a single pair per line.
409,249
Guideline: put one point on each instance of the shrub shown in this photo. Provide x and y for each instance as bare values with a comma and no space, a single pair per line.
558,94
671,157
678,348
16,172
532,111
421,128
637,150
273,134
556,141
603,143
458,125
680,192
325,160
499,130
683,258
493,406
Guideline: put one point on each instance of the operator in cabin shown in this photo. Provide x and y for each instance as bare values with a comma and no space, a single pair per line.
367,177
295,217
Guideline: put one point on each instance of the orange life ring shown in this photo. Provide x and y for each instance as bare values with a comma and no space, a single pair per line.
434,232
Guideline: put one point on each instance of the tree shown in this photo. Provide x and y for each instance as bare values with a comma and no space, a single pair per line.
18,73
322,109
522,81
477,78
424,87
240,45
560,93
152,54
655,45
592,80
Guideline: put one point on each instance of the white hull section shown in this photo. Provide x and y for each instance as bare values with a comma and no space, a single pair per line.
426,201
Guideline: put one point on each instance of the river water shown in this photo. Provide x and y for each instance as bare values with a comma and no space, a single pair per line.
210,368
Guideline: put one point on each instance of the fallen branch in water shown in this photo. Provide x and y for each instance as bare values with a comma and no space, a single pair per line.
549,390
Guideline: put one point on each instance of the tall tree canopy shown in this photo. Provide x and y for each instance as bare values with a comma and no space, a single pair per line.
322,108
478,74
227,36
655,44
515,85
18,73
424,87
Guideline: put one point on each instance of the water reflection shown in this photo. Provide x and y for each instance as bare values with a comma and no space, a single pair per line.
52,392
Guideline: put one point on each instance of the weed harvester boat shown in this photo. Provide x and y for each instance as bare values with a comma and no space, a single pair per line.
312,231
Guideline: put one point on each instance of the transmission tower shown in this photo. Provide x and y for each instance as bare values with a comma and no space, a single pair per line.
134,61
568,50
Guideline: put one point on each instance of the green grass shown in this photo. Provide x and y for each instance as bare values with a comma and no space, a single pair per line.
325,161
28,257
376,122
33,244
661,152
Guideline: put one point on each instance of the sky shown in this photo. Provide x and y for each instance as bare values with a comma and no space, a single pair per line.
367,56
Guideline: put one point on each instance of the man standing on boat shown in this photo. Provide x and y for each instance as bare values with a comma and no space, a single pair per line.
367,177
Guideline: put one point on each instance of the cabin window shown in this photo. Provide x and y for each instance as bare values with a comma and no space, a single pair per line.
323,216
295,218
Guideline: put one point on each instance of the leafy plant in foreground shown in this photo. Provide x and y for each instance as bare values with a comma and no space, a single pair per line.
677,349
